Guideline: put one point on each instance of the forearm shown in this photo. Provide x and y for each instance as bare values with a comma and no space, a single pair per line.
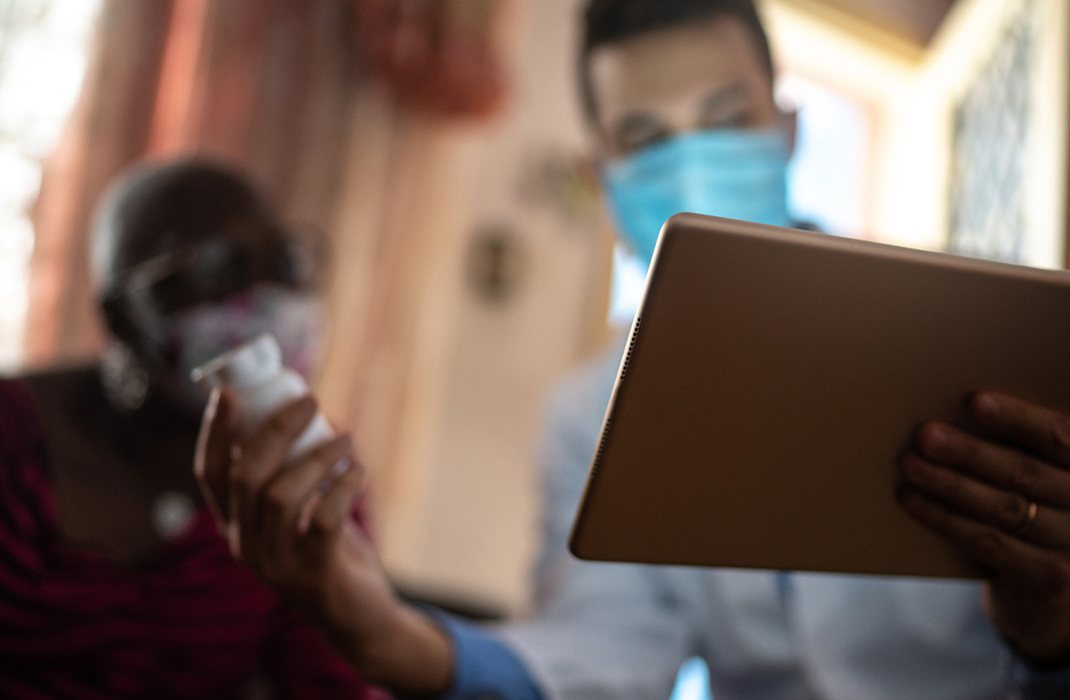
413,657
434,655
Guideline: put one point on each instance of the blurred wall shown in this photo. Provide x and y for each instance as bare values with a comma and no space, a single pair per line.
530,292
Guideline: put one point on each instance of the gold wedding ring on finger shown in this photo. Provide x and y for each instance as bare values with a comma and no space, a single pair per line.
1027,521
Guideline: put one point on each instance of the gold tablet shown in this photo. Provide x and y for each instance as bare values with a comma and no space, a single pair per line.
772,378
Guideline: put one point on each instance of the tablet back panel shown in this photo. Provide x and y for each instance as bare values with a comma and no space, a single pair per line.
772,378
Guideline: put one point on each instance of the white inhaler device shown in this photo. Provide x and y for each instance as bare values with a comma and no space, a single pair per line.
255,374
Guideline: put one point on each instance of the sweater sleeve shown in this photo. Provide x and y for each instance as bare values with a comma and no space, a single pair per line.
302,665
28,511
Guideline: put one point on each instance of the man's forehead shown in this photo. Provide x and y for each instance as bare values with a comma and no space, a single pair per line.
677,63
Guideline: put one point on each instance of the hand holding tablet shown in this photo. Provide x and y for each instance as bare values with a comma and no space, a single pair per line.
773,403
1003,501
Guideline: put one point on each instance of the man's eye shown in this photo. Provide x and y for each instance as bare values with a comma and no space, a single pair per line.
644,140
730,120
638,133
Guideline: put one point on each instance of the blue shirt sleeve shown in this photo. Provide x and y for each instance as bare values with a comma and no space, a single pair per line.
484,668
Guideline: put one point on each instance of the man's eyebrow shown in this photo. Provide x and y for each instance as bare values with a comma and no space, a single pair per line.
724,97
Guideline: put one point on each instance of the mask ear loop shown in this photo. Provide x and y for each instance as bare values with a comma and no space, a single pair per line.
137,303
124,375
143,311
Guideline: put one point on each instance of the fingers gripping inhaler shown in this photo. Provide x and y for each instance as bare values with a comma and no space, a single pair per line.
262,385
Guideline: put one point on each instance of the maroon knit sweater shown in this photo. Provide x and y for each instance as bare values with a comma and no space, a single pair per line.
190,622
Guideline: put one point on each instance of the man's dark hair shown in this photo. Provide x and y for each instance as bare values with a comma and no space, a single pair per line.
610,22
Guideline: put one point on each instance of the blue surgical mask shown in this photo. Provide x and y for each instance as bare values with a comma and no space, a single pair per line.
733,173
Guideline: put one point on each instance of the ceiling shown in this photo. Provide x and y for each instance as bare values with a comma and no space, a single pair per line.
913,21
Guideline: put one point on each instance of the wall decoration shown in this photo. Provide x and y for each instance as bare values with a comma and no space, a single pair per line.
497,265
436,56
563,182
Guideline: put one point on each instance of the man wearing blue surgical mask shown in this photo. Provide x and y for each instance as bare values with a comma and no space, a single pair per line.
680,100
684,117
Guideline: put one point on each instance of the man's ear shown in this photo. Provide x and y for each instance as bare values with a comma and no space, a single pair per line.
789,122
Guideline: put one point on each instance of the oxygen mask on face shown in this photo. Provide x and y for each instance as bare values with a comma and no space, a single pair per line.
191,306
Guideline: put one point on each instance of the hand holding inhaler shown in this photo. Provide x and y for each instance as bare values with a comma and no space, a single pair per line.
282,487
261,385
